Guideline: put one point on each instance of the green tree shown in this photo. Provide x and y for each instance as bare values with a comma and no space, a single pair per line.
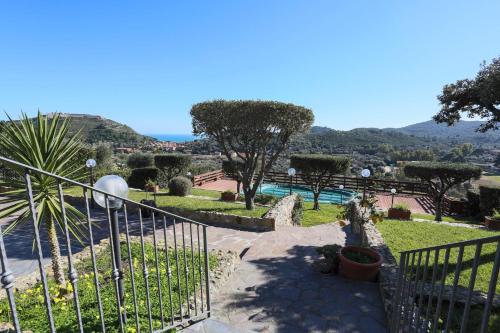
317,170
171,165
44,145
140,160
479,97
252,131
103,154
441,177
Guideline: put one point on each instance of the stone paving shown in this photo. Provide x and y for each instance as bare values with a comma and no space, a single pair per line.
277,288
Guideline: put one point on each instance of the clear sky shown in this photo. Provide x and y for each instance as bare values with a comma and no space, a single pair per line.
144,63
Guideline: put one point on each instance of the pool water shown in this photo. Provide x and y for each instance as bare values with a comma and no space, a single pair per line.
326,196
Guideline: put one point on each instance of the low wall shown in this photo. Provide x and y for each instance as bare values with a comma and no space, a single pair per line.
282,211
226,220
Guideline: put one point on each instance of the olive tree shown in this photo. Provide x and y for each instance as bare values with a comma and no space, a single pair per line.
251,131
234,169
171,165
441,177
479,97
317,170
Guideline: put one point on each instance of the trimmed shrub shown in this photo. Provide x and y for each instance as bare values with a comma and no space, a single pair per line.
298,210
473,200
171,165
489,196
140,160
180,186
139,177
402,207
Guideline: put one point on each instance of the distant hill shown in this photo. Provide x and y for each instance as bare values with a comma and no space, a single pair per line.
463,131
95,129
327,139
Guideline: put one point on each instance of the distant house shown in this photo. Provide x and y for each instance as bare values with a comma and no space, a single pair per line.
125,150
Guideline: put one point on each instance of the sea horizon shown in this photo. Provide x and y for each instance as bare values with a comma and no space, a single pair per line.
173,137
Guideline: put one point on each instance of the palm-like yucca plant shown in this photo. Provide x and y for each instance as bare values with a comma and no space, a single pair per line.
45,145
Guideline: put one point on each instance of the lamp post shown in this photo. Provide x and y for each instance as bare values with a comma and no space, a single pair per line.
90,164
365,173
393,193
341,188
291,173
116,186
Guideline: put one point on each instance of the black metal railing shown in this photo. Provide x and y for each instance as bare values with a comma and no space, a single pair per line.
152,275
438,289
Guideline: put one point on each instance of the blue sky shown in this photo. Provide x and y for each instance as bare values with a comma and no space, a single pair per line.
144,63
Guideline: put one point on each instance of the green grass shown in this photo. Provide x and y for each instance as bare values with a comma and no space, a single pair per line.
493,178
405,235
190,203
31,309
327,213
454,219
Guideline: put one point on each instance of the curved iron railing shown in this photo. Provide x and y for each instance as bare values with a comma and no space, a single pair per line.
437,289
176,287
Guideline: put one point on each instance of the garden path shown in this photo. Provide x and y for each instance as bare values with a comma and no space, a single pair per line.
277,288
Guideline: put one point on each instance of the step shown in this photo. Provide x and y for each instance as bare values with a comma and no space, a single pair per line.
213,326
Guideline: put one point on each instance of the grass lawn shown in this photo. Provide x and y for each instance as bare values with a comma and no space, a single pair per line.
328,213
405,235
190,203
454,219
31,309
493,178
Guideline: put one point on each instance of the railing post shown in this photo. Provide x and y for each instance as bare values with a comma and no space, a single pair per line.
207,270
7,280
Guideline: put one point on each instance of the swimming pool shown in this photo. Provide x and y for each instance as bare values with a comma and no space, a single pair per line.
326,196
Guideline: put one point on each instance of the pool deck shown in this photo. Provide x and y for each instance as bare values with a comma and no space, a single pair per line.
417,204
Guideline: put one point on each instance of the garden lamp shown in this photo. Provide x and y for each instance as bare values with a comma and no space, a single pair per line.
341,188
116,186
291,173
393,193
365,173
91,164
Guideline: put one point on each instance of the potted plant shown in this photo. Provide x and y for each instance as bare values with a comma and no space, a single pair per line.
228,196
359,263
151,186
330,253
493,221
399,212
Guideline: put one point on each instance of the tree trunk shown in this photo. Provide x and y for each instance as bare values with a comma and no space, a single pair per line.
316,201
238,187
249,200
439,209
55,251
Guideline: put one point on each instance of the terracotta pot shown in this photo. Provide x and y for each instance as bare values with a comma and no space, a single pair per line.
355,270
492,223
398,214
226,196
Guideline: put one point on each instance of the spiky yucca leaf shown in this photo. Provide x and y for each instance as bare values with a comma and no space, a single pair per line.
45,145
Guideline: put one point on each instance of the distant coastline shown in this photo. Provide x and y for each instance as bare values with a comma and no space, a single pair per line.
173,137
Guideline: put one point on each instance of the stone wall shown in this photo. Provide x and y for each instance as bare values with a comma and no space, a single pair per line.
226,220
282,211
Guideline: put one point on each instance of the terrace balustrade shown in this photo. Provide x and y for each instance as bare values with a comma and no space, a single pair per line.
188,297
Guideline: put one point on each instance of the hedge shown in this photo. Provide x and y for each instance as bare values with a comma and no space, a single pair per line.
489,196
171,165
140,176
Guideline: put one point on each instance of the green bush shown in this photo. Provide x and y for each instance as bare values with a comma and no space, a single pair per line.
180,186
402,207
473,200
298,210
140,160
265,199
140,176
489,196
